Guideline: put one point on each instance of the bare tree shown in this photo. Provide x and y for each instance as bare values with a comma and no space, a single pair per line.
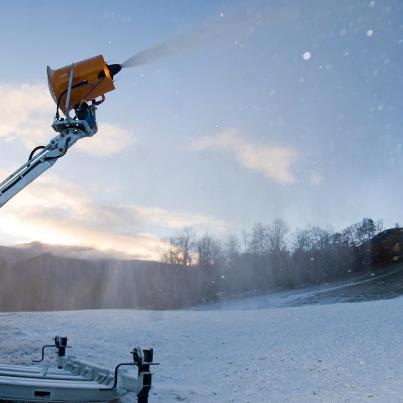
208,251
361,232
322,239
302,241
181,248
232,250
245,241
365,230
276,234
348,236
259,242
379,226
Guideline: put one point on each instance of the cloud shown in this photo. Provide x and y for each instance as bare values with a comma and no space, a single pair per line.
27,114
56,211
273,162
179,220
109,140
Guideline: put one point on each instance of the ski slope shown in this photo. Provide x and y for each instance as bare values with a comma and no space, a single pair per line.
343,352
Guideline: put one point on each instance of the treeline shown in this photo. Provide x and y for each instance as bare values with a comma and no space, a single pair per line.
270,257
193,269
49,282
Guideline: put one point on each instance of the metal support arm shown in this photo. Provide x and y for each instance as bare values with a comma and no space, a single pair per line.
70,131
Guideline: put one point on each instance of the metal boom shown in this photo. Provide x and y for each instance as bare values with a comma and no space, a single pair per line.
70,131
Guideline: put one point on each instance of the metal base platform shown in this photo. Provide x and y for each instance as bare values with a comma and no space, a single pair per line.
72,380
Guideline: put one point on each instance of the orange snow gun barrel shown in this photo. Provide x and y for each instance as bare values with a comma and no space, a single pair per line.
92,79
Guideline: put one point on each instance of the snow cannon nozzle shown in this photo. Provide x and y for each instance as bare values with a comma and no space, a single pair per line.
114,69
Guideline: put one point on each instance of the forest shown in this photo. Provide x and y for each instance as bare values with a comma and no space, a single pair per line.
193,269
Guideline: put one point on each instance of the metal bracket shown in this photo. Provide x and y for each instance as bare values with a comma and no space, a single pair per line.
143,359
60,344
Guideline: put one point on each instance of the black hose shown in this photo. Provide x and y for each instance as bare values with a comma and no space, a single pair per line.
80,84
66,147
35,164
34,151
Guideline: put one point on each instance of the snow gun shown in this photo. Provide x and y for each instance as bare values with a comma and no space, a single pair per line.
79,87
90,79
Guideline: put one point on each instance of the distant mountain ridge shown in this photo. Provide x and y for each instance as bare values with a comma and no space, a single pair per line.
40,277
18,252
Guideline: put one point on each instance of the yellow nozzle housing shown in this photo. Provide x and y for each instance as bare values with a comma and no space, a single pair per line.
92,75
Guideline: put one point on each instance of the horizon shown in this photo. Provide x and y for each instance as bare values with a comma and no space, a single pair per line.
89,252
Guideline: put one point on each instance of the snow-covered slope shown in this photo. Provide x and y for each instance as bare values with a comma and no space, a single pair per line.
326,353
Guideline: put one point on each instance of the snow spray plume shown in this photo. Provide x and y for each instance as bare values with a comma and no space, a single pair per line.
217,32
177,45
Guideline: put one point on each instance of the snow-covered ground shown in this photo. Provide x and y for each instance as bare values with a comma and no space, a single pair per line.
254,351
381,284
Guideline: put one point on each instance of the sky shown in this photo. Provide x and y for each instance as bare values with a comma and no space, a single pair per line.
272,109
